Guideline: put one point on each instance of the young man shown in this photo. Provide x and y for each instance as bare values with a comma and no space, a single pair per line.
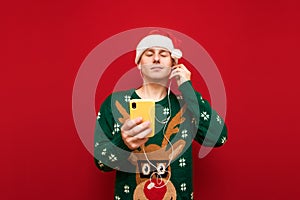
158,167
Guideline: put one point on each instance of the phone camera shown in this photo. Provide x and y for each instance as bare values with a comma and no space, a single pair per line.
133,105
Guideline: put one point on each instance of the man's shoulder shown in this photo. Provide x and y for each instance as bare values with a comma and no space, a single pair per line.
124,95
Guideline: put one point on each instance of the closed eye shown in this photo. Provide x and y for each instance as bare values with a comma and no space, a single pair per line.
149,54
164,54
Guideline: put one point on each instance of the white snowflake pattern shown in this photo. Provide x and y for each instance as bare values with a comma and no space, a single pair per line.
112,158
194,121
127,98
96,144
182,162
100,164
103,152
117,198
184,133
202,99
126,188
179,97
99,115
223,140
116,128
219,119
166,111
192,195
205,115
183,187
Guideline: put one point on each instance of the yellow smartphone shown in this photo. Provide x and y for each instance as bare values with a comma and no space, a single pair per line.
144,108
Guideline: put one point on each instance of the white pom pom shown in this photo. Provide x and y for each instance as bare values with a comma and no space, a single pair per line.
176,53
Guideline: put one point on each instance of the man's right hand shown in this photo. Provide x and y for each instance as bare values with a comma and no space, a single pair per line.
134,132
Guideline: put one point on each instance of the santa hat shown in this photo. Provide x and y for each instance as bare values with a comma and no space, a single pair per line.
157,40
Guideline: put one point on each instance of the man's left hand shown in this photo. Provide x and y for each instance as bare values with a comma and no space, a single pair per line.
181,74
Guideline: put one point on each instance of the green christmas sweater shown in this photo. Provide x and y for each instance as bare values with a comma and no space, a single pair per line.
162,168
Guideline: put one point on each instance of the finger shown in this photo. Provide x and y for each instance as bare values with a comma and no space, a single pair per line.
180,66
184,68
141,142
175,67
134,143
138,128
143,134
130,123
172,76
175,72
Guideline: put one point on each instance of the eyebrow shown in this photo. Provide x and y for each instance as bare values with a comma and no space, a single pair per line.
160,51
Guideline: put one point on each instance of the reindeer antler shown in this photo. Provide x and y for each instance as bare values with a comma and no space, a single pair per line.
123,112
171,129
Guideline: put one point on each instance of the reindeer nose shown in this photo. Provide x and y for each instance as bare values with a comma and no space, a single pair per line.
158,191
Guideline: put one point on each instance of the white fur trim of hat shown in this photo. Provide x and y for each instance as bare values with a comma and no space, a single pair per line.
157,41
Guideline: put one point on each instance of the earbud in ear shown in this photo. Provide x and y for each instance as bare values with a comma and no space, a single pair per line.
139,66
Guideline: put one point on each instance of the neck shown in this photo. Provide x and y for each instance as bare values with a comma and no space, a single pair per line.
152,91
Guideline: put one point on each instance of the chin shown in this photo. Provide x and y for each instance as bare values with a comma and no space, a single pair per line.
159,80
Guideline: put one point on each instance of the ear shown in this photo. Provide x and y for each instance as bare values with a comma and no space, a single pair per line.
139,66
174,62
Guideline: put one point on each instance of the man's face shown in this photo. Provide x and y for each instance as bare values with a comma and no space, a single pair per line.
156,64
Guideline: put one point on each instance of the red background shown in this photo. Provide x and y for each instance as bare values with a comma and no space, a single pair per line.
255,45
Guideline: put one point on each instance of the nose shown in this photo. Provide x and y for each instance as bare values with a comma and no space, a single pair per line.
156,58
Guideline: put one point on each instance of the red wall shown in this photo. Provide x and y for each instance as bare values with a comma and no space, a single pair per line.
255,45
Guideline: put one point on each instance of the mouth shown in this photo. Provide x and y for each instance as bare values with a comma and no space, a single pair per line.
155,67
